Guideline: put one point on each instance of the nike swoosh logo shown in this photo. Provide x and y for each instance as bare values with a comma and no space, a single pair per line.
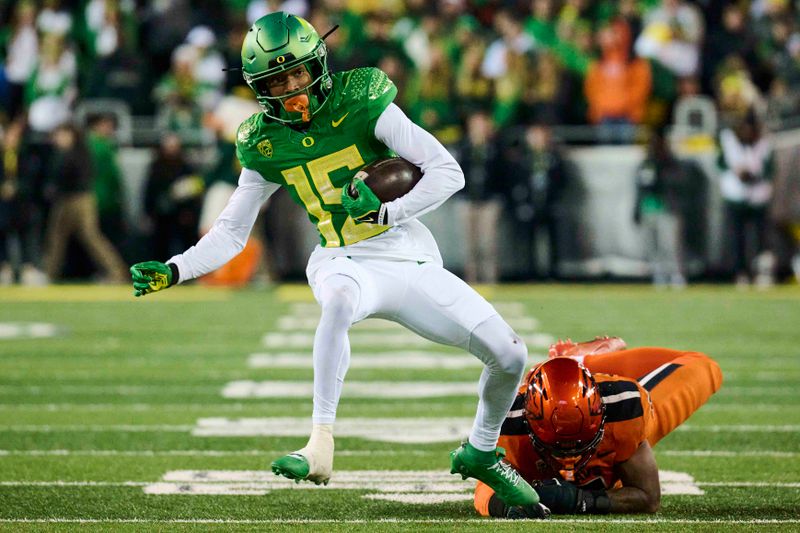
335,123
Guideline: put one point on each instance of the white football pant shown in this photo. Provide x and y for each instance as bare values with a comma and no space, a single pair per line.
428,300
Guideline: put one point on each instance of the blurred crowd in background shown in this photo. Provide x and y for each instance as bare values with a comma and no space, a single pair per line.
504,84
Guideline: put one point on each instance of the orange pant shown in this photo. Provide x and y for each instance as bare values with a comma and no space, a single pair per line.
678,382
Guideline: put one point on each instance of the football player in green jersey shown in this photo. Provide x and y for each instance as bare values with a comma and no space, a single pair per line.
315,131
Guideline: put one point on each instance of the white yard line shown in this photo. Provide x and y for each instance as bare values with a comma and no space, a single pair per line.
393,429
405,430
243,406
402,339
729,391
430,498
405,481
752,407
309,323
777,376
62,483
741,428
444,521
724,453
283,483
505,308
419,482
750,484
53,407
346,453
122,428
116,390
304,308
200,453
389,360
341,477
261,488
353,389
28,330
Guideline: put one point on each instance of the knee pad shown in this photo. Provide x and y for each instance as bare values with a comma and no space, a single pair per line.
496,344
339,297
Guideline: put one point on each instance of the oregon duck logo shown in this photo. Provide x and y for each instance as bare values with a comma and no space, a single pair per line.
280,59
245,130
308,141
265,148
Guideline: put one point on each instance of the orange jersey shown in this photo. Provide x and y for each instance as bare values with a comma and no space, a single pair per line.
629,415
648,392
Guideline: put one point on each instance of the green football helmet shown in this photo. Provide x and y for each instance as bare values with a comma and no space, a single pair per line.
279,42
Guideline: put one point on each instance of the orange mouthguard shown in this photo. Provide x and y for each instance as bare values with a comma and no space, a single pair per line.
298,104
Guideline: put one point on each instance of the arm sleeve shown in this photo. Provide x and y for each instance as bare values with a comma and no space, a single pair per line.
441,175
230,231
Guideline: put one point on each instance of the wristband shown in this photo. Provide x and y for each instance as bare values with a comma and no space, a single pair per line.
175,276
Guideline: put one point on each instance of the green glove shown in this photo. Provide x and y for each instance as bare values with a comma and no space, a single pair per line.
151,276
363,206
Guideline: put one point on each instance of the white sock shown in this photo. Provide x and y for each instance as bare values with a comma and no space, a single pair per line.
319,452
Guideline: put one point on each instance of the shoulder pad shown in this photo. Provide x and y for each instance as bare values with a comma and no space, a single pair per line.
247,129
370,87
622,398
379,85
247,138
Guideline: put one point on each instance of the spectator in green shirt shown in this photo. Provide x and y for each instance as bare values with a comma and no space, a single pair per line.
107,177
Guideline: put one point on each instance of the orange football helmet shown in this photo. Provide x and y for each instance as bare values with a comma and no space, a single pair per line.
565,414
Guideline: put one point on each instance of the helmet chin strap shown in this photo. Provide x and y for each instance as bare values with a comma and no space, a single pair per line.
298,104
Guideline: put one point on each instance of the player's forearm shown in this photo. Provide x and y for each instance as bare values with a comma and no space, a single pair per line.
432,190
230,231
213,250
633,500
442,176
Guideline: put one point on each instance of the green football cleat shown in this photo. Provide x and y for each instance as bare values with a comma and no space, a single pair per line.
490,468
294,466
314,462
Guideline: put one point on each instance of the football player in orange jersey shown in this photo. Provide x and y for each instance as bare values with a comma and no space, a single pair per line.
584,422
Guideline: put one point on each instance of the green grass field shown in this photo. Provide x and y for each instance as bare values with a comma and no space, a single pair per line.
163,413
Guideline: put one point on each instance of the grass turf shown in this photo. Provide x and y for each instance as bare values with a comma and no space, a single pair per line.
67,405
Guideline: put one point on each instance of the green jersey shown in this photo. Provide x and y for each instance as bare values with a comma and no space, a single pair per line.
316,163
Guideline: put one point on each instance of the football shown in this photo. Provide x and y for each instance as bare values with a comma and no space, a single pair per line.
389,178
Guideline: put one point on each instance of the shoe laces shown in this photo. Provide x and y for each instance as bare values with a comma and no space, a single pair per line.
506,472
